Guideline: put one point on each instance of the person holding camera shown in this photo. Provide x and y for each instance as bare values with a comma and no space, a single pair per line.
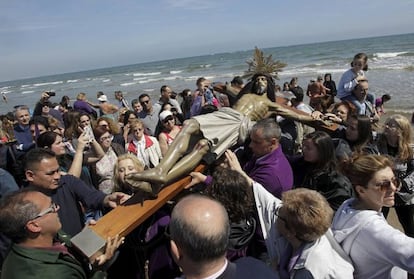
45,108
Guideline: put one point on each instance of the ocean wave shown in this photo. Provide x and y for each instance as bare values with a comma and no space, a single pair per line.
28,92
140,78
148,90
175,72
310,71
128,83
48,83
72,80
173,78
106,80
146,74
388,54
149,80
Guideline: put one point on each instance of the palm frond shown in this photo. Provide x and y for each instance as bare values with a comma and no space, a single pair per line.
261,64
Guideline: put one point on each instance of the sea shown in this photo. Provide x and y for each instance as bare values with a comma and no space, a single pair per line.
391,70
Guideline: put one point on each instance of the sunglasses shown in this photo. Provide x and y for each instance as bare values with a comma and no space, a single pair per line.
169,118
110,137
51,209
145,102
386,184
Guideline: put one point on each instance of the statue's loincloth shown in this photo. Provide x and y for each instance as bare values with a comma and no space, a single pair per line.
224,128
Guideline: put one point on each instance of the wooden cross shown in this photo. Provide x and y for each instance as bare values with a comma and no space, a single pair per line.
124,218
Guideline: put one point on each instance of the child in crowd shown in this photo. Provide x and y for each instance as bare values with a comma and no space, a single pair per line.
379,103
351,78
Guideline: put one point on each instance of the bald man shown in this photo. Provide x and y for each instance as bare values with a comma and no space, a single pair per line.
199,230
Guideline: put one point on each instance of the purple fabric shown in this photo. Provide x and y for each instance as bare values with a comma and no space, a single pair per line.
273,171
82,106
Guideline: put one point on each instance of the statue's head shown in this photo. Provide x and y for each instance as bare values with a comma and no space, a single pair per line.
261,84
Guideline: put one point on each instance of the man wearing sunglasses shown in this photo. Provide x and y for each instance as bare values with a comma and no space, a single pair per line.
149,114
31,220
71,193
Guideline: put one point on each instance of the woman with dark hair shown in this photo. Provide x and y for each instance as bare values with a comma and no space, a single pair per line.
104,168
75,164
316,169
329,85
395,142
357,138
128,117
376,248
234,192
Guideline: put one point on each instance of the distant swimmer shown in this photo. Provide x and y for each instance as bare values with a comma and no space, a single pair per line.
4,97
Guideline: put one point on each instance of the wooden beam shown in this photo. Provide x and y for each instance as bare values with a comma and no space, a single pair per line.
125,218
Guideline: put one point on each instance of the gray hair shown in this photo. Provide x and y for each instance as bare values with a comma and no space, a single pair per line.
15,212
270,129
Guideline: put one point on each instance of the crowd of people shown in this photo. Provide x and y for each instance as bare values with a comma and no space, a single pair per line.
292,190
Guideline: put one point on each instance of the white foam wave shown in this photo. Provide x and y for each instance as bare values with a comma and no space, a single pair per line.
148,80
146,74
128,83
28,92
25,85
148,90
175,72
140,78
388,54
173,78
6,91
48,83
106,80
72,80
310,71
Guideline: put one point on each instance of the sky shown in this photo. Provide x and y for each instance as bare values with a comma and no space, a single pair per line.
45,37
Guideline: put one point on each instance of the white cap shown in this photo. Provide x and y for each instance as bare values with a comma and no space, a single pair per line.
103,98
164,114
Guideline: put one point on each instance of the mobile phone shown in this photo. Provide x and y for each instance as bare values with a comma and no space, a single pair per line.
51,94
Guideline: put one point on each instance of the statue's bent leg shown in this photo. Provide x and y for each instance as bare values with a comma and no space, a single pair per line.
160,174
190,161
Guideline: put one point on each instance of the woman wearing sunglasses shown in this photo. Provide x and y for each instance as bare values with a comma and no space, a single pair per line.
395,141
377,250
168,130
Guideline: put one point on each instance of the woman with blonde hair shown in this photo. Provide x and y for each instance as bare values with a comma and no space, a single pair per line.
126,164
395,142
376,248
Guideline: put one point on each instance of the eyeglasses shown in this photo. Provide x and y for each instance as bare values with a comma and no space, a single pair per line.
385,185
145,102
170,118
110,137
51,209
